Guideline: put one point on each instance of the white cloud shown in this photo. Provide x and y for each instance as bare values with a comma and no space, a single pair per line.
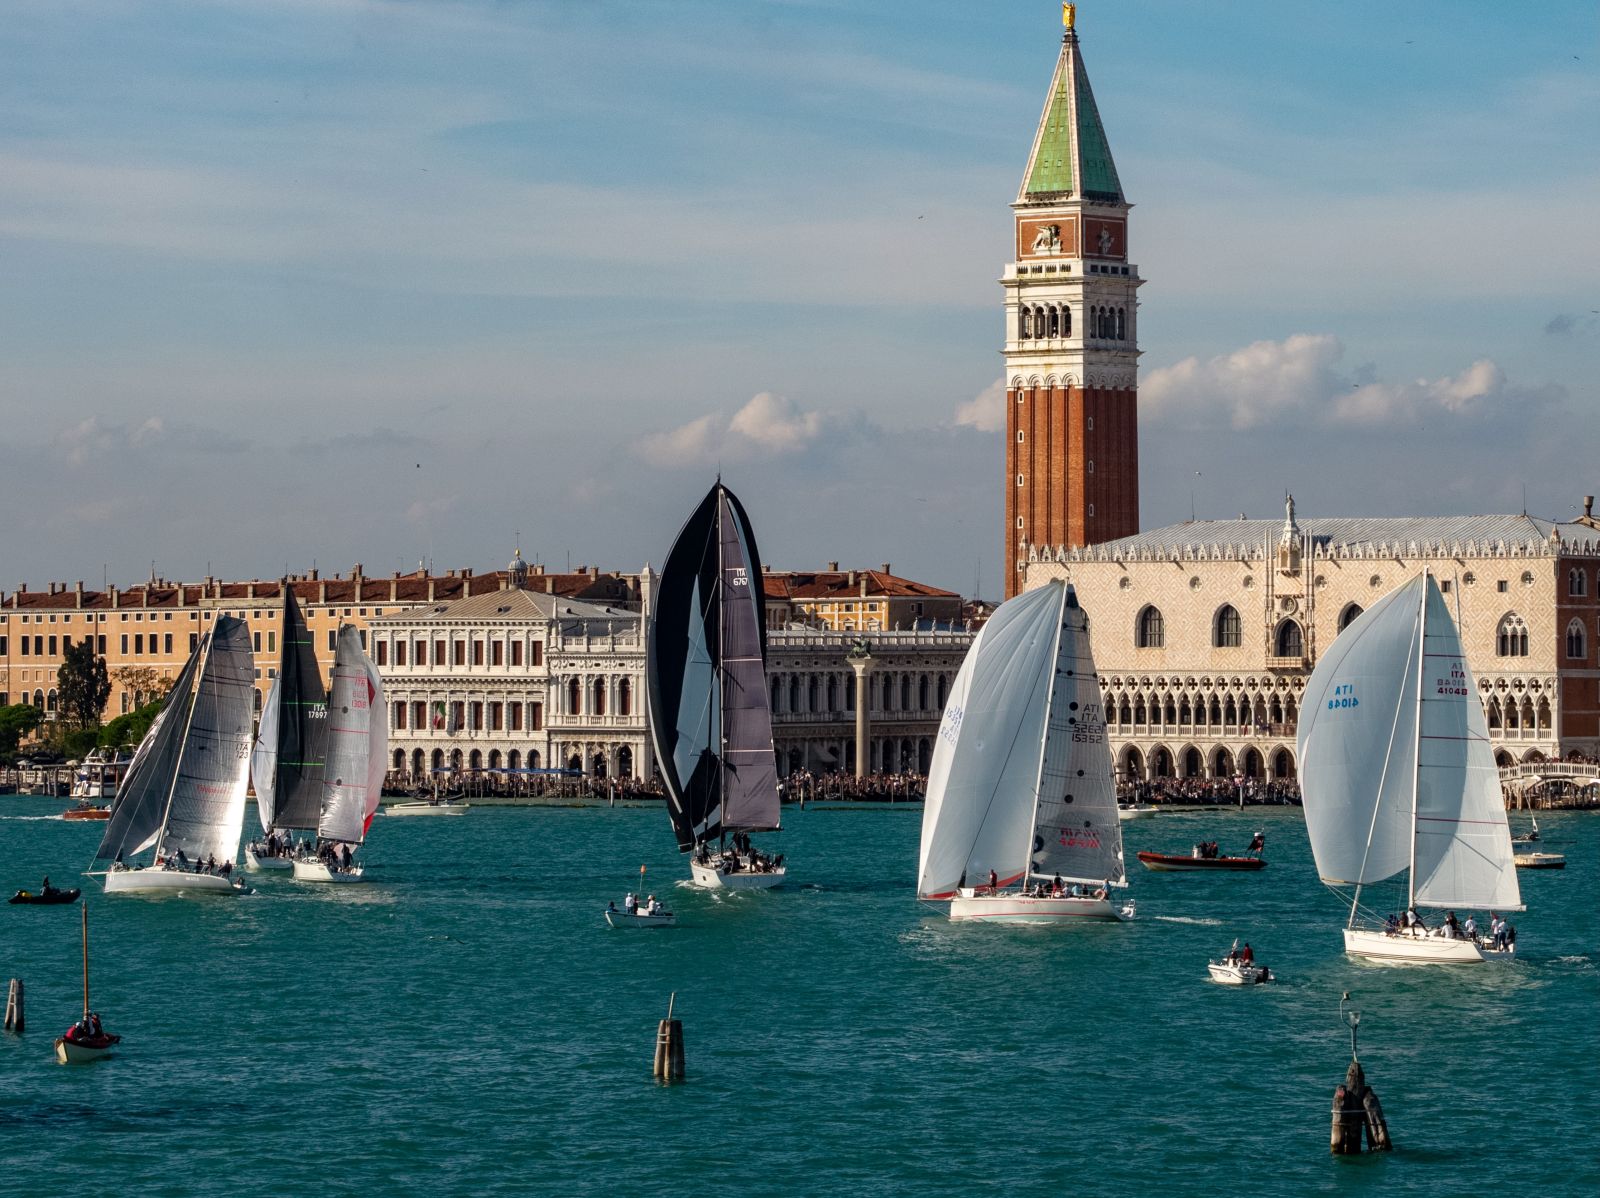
1297,381
985,411
92,437
767,426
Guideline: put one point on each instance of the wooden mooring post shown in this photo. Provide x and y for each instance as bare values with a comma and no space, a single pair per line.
669,1046
15,1019
1356,1109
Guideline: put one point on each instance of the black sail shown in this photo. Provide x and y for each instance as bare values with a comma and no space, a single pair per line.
302,725
141,803
702,705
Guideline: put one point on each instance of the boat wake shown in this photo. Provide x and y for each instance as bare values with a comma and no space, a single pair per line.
22,819
1575,962
1198,922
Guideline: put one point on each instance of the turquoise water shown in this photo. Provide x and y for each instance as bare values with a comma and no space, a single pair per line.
467,1024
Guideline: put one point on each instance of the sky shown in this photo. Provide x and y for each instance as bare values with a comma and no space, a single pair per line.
296,283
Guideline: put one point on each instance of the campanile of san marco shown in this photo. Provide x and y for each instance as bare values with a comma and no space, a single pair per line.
1071,346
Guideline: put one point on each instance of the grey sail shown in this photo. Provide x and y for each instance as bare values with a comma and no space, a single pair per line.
205,809
141,802
286,765
1077,833
750,768
344,792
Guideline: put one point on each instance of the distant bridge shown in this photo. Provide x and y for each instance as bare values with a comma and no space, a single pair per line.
1519,779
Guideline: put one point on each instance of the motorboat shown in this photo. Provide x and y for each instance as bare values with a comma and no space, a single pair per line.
86,811
1177,863
45,898
1127,811
1237,973
1540,860
426,807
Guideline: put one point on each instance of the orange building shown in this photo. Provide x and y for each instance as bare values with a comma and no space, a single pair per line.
856,600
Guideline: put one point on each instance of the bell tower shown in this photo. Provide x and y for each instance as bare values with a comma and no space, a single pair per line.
1071,346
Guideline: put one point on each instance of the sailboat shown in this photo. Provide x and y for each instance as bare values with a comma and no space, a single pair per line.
184,792
1020,823
710,719
286,765
1398,776
352,776
85,1040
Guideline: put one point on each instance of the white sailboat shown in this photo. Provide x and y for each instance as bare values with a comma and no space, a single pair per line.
352,777
286,764
1398,777
1020,823
184,792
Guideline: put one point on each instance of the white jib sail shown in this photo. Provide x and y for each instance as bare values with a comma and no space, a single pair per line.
982,781
1077,832
264,758
345,777
1358,743
377,739
1464,856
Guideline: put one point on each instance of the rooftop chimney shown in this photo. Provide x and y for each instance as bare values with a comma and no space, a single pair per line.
885,568
1588,507
833,567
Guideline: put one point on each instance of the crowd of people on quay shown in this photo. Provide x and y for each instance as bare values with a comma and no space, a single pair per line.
807,786
1501,934
1205,791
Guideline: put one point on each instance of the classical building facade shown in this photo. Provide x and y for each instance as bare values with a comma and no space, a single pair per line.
1071,339
1204,633
856,600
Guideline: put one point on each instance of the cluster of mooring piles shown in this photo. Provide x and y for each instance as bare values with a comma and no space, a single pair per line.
1356,1109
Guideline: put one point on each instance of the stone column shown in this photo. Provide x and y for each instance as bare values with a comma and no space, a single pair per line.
862,664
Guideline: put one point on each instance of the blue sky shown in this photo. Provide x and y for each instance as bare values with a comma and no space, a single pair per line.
332,281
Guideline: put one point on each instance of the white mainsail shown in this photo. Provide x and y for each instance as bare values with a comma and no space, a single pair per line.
377,740
1395,761
992,751
346,777
264,756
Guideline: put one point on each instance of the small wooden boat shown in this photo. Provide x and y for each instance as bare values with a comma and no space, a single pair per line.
624,919
1173,862
1236,973
1540,860
47,898
86,811
85,1040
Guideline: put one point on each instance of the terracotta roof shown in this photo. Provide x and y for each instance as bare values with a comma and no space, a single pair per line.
511,605
803,586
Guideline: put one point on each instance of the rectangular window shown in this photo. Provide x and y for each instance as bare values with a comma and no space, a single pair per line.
419,715
272,640
1502,586
477,716
138,642
457,714
1019,480
166,643
514,716
255,641
535,716
497,653
333,639
194,641
52,646
102,641
458,653
477,653
362,633
516,653
3,651
399,653
496,716
438,653
23,641
1089,424
383,653
66,643
400,716
536,653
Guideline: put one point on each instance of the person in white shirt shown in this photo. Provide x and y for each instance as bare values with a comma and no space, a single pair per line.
1471,929
630,903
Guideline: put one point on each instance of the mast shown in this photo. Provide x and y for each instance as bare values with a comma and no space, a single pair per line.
720,598
1416,768
1044,741
183,743
84,910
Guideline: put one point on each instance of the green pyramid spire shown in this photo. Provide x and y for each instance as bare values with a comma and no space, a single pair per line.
1071,156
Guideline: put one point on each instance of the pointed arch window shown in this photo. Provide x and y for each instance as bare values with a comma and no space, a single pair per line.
1290,640
1150,631
1348,615
1577,582
1227,628
1577,642
1511,637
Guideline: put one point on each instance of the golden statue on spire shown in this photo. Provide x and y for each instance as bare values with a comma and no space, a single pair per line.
1069,15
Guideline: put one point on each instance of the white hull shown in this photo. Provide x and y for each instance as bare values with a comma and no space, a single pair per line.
155,880
259,864
621,919
69,1053
1425,950
1018,908
709,877
318,871
1136,811
1231,974
425,809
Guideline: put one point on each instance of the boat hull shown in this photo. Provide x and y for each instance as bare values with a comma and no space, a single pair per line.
81,1052
1138,811
87,813
318,871
709,877
1540,861
1019,908
155,880
1172,863
623,921
265,864
1228,973
398,809
1420,950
